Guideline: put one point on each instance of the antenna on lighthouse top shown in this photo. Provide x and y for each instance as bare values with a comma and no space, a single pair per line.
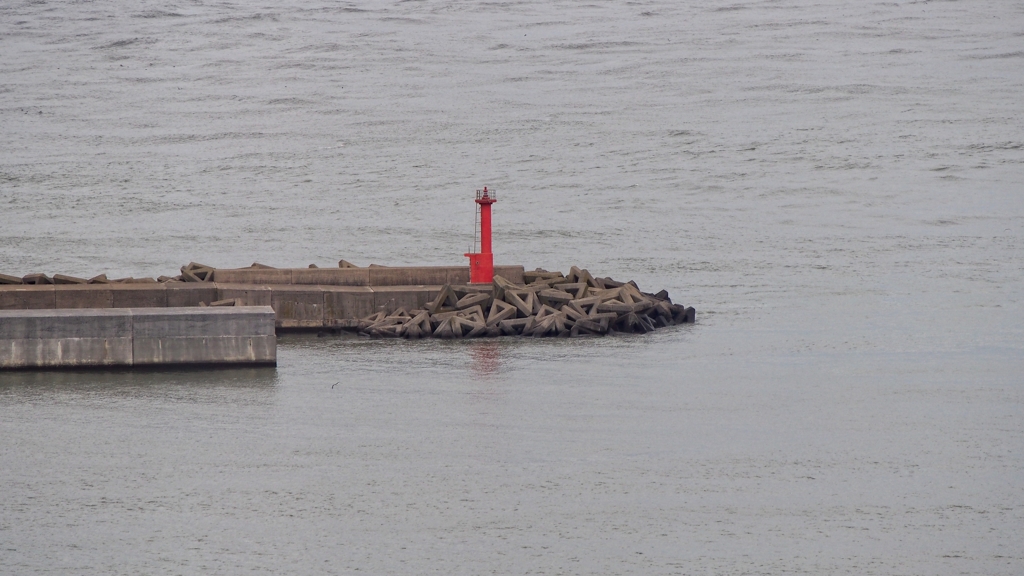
486,196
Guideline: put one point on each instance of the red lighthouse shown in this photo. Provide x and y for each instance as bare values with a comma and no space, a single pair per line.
481,264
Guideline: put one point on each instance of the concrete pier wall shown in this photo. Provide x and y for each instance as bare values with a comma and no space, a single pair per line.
298,306
69,338
55,338
302,298
50,296
312,307
373,276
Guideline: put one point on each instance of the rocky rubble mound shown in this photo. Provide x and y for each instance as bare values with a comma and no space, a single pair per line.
548,304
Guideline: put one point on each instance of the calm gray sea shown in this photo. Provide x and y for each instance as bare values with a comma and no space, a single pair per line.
837,187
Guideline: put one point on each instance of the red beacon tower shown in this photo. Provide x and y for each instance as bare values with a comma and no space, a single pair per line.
481,264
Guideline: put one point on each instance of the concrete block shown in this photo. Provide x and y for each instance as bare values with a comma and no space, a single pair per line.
538,274
194,272
391,298
524,300
605,318
475,329
590,327
470,300
252,276
499,285
342,304
213,322
139,336
647,324
228,302
572,312
138,295
205,350
578,289
65,352
516,326
546,311
331,276
476,314
84,296
418,326
554,298
513,274
298,306
37,279
228,335
587,278
412,331
5,279
48,324
690,315
65,338
190,294
248,294
445,300
445,330
409,276
615,306
458,275
62,279
27,297
500,311
465,289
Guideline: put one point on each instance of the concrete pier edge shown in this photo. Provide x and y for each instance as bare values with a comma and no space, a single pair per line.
123,337
304,299
212,320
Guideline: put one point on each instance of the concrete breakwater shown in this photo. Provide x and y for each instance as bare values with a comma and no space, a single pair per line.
63,338
360,298
302,298
546,304
213,316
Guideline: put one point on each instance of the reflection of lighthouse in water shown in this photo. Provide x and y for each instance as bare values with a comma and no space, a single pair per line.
486,358
481,264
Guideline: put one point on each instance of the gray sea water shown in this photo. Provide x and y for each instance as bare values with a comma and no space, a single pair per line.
835,186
